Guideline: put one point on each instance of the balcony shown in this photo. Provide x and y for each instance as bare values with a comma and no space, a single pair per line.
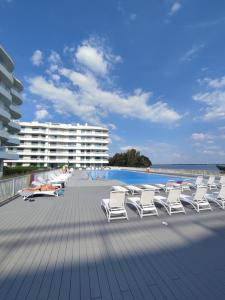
7,154
4,135
4,116
13,127
15,111
7,76
16,97
5,96
94,134
17,84
13,141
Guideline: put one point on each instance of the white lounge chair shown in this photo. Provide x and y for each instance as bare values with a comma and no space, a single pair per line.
40,181
115,206
119,188
185,185
198,200
144,204
30,194
134,189
151,187
170,185
221,181
211,183
218,197
172,202
198,182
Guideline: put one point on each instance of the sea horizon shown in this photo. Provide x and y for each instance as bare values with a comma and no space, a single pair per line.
187,166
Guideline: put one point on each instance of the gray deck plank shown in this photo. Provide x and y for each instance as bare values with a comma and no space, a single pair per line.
17,259
63,248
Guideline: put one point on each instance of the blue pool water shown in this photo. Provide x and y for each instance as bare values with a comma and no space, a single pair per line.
130,177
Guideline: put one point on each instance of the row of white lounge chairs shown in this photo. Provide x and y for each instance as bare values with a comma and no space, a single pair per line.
56,179
144,198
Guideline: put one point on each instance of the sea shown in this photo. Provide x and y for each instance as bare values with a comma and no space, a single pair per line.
209,167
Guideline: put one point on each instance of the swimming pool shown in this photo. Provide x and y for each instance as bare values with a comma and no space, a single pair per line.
132,177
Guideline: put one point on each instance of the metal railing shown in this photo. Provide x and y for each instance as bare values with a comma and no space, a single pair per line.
10,187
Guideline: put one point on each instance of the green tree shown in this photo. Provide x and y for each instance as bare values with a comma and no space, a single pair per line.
130,158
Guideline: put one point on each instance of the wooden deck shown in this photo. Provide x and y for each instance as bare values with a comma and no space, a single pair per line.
63,248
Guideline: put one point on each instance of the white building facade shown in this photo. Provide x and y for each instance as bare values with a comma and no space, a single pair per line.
10,101
55,144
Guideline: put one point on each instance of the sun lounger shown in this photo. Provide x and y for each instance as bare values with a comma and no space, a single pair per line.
168,186
151,187
198,199
218,197
185,185
40,181
115,206
134,189
144,204
26,194
211,183
172,202
119,188
198,182
221,181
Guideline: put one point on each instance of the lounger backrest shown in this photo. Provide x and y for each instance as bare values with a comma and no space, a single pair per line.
200,193
211,179
116,199
222,180
174,196
147,197
221,194
40,178
199,180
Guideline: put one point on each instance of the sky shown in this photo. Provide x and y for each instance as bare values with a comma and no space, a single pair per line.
152,71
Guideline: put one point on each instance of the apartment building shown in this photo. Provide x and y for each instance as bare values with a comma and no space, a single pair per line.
54,144
10,101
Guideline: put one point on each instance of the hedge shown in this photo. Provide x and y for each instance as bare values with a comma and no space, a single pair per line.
7,171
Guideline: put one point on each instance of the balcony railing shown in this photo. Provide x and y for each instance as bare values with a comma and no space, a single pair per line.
5,96
6,74
15,111
4,115
13,127
17,98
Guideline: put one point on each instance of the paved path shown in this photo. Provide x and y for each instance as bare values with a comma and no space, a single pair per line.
63,248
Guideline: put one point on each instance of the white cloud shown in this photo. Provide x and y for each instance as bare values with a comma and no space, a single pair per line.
133,17
213,98
128,147
200,137
54,58
191,53
116,137
79,92
92,58
37,58
92,54
203,25
112,126
175,7
41,113
216,83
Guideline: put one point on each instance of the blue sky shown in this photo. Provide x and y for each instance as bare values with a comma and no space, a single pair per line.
153,72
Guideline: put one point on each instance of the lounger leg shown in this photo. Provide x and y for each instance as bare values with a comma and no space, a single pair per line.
108,217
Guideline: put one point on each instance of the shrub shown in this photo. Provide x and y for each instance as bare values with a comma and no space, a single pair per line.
8,171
